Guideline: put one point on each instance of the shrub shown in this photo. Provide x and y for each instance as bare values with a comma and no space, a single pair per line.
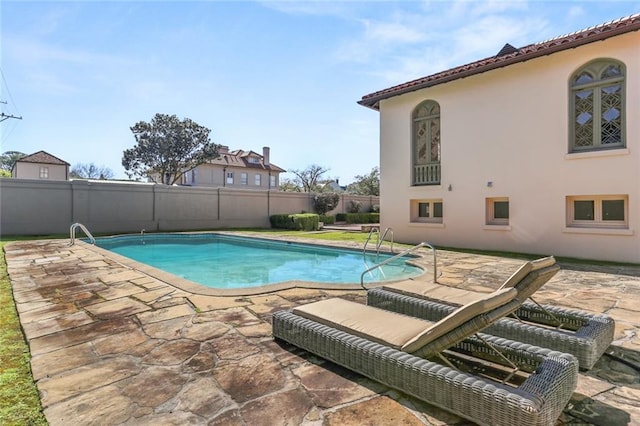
327,219
325,202
341,217
375,208
300,222
306,222
282,221
354,206
363,218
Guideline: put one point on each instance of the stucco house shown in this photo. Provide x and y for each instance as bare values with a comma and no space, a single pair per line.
40,165
535,149
236,169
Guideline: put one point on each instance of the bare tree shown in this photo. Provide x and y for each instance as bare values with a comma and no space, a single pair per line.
309,178
288,185
90,171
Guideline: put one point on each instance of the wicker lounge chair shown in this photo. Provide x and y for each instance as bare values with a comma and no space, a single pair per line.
584,335
397,350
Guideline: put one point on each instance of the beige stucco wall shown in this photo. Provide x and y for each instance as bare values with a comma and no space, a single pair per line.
34,207
209,175
510,127
23,170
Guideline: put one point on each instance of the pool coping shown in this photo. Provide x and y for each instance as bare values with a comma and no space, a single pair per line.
200,289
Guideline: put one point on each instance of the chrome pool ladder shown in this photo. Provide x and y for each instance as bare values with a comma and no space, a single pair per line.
407,251
72,233
380,239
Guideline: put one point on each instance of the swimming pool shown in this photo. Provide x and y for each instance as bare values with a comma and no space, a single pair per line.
230,262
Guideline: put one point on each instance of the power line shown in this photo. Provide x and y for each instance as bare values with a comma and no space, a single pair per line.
4,80
4,116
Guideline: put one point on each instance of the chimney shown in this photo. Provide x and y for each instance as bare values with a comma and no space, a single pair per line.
223,149
265,156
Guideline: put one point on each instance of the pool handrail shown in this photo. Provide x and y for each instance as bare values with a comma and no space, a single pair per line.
380,239
72,233
407,251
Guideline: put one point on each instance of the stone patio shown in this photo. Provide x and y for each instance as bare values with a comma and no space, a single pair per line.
113,345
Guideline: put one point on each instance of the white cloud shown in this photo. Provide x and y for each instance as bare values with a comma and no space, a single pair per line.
575,12
32,51
498,6
305,7
50,84
487,35
391,32
441,35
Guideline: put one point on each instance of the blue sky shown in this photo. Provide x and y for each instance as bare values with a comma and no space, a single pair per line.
283,74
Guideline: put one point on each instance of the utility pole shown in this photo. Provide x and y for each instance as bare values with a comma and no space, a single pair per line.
4,116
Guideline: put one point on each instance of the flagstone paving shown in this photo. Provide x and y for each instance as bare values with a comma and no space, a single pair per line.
113,345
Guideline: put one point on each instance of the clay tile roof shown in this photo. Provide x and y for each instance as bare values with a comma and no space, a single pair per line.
43,158
509,55
240,158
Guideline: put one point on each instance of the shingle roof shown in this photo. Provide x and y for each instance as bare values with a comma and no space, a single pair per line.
42,157
240,158
508,57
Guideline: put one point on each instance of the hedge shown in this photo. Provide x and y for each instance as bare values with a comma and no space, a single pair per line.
362,217
327,219
300,221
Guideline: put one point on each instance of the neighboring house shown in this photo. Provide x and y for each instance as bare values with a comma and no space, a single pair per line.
236,169
534,150
40,165
333,185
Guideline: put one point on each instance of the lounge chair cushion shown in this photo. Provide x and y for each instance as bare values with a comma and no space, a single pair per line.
458,297
525,269
435,292
481,305
378,325
396,330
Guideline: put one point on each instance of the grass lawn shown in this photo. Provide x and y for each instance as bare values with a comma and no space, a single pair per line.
19,399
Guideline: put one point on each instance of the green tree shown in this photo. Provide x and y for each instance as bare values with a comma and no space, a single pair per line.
366,184
167,147
325,202
9,158
309,178
288,185
90,171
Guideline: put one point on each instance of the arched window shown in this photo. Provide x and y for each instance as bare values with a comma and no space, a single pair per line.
426,143
597,93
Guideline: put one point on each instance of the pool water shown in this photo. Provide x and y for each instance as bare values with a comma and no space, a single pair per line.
230,262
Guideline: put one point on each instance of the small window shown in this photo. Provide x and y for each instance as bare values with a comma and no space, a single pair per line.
258,180
230,178
597,211
429,211
244,178
497,211
272,181
44,172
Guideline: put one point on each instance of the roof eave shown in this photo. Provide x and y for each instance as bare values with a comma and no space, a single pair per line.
522,55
